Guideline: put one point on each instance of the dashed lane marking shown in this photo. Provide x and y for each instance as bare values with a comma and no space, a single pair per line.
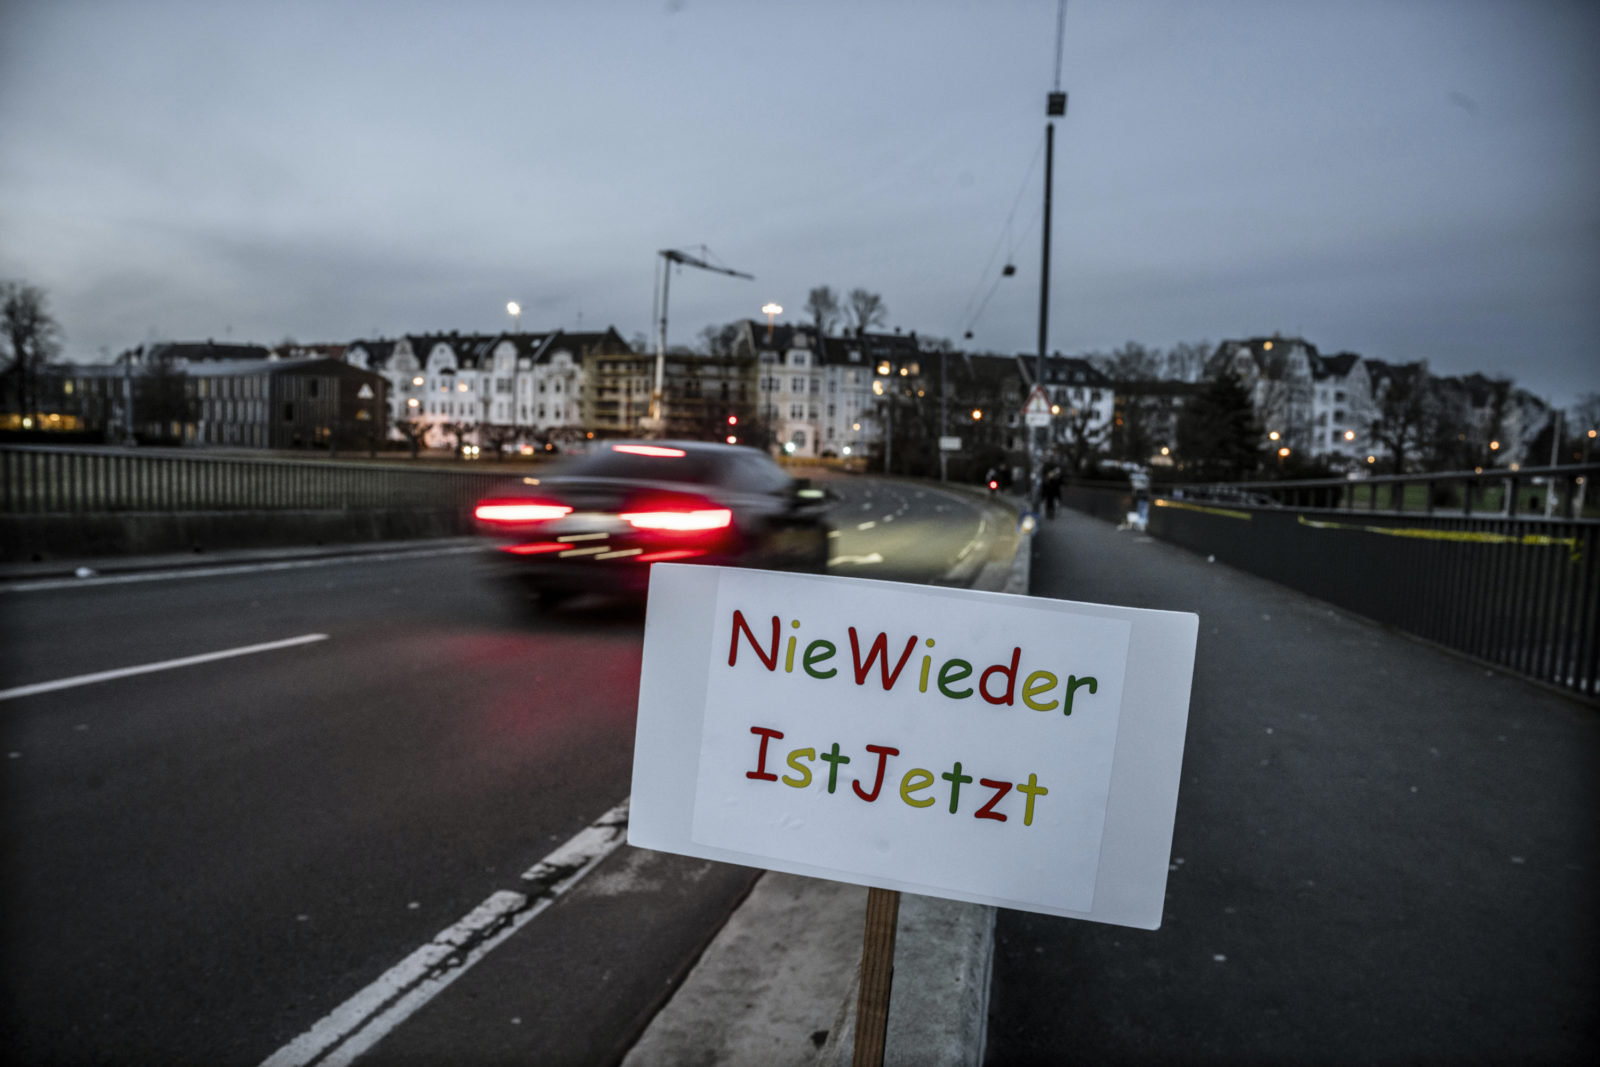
865,525
871,557
150,668
368,1017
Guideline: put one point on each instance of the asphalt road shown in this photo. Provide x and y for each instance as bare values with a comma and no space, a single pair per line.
202,862
1383,853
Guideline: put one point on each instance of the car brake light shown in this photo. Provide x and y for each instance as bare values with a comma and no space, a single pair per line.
519,511
994,485
680,520
649,450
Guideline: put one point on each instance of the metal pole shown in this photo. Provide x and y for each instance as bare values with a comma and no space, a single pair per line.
944,413
1044,274
1555,454
661,345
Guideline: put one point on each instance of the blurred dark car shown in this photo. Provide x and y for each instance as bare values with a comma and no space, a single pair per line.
597,521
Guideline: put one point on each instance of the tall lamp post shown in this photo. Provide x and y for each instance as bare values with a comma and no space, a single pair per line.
1055,106
771,311
514,309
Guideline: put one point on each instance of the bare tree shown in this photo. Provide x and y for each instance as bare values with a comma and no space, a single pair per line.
1403,415
720,340
822,304
31,338
413,428
498,435
866,309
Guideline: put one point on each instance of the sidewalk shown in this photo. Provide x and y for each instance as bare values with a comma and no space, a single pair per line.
1383,853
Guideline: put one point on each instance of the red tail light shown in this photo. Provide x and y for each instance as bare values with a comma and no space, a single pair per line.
994,485
513,511
679,520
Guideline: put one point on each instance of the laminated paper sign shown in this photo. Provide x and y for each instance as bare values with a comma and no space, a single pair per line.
1005,750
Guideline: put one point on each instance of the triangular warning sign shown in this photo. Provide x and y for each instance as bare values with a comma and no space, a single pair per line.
365,393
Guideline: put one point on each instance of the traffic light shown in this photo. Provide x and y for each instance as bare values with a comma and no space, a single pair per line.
733,420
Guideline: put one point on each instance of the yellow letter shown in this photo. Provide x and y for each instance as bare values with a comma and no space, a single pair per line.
805,772
916,778
1039,682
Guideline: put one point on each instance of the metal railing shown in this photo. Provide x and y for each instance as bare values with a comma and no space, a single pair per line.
1465,559
47,480
1553,492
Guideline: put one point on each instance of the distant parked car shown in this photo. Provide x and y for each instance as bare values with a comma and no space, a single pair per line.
597,521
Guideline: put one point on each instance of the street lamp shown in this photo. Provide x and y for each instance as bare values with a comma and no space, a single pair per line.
771,311
514,309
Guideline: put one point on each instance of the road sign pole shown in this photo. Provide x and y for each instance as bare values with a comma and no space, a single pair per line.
877,976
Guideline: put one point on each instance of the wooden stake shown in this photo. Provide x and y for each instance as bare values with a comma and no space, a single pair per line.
877,975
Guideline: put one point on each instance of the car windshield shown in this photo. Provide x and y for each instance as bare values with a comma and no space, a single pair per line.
691,467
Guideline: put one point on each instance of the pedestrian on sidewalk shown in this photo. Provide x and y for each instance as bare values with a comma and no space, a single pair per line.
1050,490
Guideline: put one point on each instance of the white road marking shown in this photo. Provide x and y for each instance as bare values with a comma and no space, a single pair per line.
149,668
870,558
45,584
890,518
865,525
368,1017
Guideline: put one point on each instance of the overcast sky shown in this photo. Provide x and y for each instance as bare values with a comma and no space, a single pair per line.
1403,180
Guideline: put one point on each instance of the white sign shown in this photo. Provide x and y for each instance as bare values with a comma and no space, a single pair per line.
1037,418
365,392
950,444
1015,751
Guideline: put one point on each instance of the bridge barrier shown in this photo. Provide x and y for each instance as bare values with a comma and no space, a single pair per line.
65,503
1521,593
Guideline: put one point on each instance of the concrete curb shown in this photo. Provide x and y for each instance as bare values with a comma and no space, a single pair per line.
106,565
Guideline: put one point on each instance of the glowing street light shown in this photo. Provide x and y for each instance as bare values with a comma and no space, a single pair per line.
1274,435
977,414
1349,435
771,311
514,309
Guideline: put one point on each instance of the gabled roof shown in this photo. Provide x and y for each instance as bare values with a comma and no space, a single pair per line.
1336,366
872,347
203,351
378,351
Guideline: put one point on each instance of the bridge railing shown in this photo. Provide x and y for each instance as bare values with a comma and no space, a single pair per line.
1465,560
46,480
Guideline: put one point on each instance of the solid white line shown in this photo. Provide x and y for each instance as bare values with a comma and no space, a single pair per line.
148,668
46,584
366,1018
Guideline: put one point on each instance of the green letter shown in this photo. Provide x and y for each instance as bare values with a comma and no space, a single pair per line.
834,759
916,778
810,660
953,671
1073,682
955,778
1039,682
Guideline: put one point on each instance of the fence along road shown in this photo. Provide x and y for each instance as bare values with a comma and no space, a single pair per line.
1520,592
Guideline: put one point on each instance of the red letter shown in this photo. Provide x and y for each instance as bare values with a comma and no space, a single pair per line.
771,659
761,773
884,753
880,647
987,811
1011,679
